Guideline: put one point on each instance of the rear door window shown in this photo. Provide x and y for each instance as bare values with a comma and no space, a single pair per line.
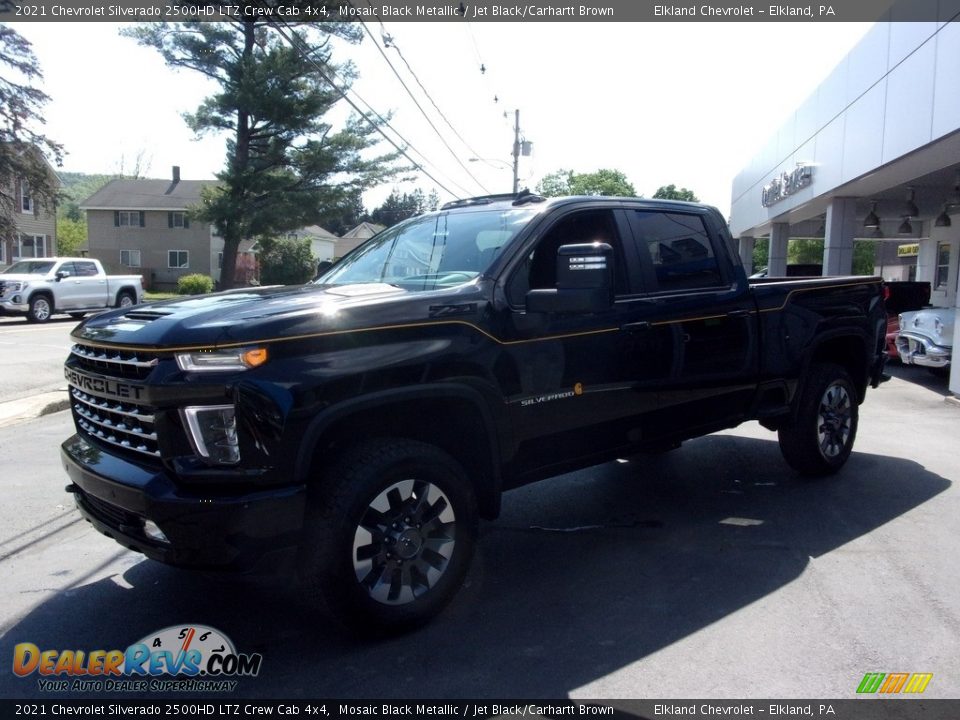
679,250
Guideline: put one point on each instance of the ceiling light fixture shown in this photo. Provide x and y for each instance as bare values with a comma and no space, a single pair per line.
872,221
905,227
943,220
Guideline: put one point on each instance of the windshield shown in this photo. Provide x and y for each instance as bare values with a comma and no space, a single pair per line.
29,267
431,252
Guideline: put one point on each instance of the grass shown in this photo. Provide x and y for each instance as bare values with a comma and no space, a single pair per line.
154,296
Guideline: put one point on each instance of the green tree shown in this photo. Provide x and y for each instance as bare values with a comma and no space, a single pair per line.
286,262
864,257
347,214
399,207
23,148
670,192
761,254
76,188
71,236
804,251
602,182
285,164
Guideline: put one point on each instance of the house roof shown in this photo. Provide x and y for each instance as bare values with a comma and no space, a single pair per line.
315,231
146,194
363,230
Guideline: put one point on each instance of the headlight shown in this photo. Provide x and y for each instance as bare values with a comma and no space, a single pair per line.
213,433
221,360
17,286
937,325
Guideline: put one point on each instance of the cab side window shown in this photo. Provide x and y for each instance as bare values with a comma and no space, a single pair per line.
679,249
539,268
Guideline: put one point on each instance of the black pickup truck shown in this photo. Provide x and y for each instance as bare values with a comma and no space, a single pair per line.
360,425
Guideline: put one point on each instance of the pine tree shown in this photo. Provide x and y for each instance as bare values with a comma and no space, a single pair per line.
285,165
23,148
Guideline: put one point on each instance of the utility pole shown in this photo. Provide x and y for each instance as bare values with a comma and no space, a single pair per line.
516,151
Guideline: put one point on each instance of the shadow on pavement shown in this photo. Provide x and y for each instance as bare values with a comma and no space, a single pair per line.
581,576
919,376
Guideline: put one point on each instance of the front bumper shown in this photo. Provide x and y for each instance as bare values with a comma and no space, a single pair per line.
919,350
249,532
11,308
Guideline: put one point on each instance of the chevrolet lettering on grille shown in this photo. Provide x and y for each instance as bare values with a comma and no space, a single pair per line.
102,386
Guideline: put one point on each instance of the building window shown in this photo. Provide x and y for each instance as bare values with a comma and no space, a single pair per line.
26,199
943,266
128,218
179,259
177,220
29,246
130,258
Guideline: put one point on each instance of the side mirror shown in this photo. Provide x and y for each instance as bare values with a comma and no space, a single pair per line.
584,281
61,274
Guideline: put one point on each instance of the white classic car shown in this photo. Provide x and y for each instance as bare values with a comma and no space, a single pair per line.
926,337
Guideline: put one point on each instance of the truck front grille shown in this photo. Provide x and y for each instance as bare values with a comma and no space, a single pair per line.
115,363
124,425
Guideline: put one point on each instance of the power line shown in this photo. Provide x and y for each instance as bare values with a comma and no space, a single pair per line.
296,44
391,42
422,111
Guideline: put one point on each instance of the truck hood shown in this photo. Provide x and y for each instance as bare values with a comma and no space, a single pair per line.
259,315
23,278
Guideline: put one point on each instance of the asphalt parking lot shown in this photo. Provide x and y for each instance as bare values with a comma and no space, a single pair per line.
712,571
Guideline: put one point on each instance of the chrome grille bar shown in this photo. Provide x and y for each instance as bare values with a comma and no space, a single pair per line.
104,405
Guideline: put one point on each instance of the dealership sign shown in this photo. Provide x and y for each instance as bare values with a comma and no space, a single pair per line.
786,184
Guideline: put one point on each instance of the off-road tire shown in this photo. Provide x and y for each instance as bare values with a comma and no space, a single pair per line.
820,439
337,515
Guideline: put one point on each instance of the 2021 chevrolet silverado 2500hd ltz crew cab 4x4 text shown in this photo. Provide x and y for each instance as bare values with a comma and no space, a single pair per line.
361,424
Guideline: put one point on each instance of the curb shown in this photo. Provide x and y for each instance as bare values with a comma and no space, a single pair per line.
14,412
949,400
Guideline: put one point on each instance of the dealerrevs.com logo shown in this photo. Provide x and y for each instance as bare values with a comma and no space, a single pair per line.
180,658
892,683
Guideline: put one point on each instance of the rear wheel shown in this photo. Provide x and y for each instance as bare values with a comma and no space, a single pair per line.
41,308
391,530
126,299
820,439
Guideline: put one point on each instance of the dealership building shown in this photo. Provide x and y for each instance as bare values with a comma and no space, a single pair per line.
872,154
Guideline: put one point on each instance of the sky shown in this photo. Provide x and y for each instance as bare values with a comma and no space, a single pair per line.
681,103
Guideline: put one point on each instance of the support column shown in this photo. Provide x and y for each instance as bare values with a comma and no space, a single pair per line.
777,260
747,244
841,226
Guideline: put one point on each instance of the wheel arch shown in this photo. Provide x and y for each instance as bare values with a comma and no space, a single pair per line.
126,289
441,414
846,348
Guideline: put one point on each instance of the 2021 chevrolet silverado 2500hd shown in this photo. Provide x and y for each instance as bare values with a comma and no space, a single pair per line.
361,424
41,287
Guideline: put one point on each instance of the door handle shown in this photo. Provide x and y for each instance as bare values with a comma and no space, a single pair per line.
738,313
636,326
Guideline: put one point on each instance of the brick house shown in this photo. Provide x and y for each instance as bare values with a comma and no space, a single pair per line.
144,226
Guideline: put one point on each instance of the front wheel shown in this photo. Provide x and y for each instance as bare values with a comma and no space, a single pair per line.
820,439
391,530
40,310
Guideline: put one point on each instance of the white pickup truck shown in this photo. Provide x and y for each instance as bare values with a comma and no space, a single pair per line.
41,287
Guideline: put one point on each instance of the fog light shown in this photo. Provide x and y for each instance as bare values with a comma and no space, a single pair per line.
151,530
213,433
17,300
